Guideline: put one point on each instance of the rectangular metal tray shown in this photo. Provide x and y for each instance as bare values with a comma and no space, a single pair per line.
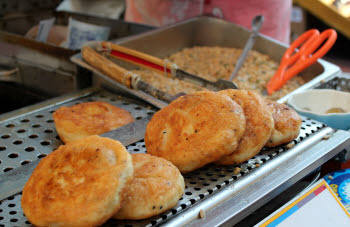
204,31
222,192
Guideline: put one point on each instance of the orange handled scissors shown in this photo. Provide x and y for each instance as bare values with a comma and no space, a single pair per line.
292,64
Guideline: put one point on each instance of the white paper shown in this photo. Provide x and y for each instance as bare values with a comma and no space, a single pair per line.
80,32
44,29
323,210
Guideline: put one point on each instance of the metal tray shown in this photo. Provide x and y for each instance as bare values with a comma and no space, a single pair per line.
205,31
50,70
222,192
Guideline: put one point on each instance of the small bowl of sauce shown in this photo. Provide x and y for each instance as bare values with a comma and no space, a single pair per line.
331,107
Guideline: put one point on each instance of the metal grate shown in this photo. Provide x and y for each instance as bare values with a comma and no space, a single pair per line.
29,137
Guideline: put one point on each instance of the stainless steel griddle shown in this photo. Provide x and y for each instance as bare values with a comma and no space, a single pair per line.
226,194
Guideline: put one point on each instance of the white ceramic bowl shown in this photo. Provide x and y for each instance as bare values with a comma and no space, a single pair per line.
316,102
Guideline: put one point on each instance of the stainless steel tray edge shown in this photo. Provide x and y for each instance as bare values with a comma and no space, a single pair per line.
240,199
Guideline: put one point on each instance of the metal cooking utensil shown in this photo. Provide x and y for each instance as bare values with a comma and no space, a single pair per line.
13,182
121,75
256,25
163,66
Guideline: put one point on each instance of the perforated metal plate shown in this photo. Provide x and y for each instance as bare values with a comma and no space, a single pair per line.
32,136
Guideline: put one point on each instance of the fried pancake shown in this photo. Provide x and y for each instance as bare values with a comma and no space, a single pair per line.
259,125
156,187
79,184
195,130
287,124
90,118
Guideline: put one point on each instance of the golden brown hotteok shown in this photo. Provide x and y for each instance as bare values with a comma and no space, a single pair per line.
90,118
156,187
195,130
259,125
79,184
287,124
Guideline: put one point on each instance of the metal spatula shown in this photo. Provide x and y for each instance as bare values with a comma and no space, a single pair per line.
256,25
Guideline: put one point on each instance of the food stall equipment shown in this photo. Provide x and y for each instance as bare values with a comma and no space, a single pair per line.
214,194
45,67
203,31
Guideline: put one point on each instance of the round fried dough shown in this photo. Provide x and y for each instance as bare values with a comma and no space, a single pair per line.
156,187
287,124
195,130
90,118
259,125
79,184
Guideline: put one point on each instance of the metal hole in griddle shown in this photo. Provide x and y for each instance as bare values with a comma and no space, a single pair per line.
25,120
13,220
49,121
29,149
39,116
25,162
21,131
13,212
52,111
28,223
1,217
5,136
11,205
48,131
8,169
33,136
17,142
188,193
42,155
2,148
45,143
36,126
13,155
138,118
10,126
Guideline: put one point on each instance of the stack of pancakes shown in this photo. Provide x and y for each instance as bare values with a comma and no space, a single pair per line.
226,127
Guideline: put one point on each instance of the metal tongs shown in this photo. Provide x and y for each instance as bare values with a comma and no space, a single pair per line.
134,81
164,66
